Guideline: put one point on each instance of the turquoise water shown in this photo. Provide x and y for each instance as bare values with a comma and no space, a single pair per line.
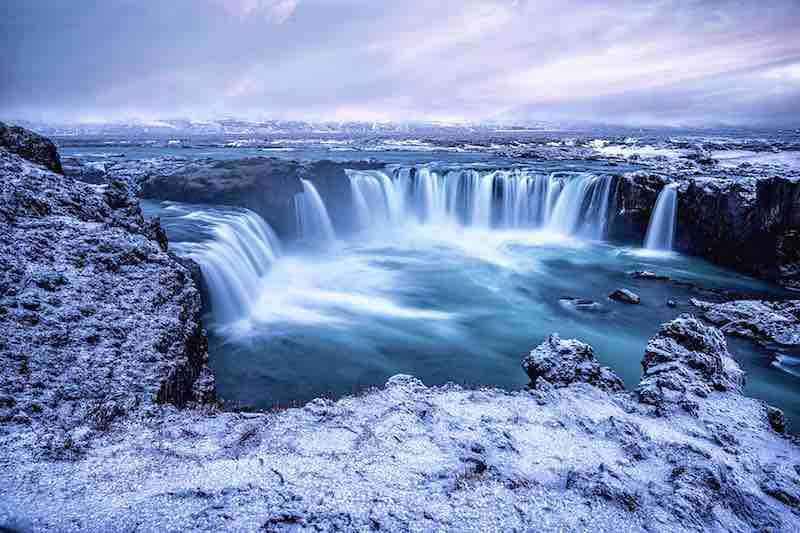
447,303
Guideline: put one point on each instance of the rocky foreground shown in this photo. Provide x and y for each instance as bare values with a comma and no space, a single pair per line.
108,421
684,451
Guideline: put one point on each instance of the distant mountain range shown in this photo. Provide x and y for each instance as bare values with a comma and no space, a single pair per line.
185,127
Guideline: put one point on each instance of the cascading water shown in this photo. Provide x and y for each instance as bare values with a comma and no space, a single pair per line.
313,222
241,249
375,199
563,203
661,228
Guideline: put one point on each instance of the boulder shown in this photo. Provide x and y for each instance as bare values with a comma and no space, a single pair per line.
30,146
685,361
561,362
625,296
647,274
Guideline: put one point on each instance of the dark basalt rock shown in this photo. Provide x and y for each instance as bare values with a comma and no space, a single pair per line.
560,363
686,360
30,146
749,224
715,220
265,185
86,172
635,196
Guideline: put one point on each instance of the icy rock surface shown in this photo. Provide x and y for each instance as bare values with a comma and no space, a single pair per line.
30,146
412,458
560,363
685,361
96,318
776,322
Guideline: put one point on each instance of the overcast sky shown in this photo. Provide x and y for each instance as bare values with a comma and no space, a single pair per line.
667,62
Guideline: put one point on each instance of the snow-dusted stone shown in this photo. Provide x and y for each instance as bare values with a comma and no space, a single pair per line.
686,360
30,146
777,322
649,275
97,319
561,362
625,296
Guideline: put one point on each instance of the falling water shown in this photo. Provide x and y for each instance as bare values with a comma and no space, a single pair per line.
313,222
661,229
375,199
234,260
573,204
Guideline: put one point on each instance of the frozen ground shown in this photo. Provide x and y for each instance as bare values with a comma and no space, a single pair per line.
411,458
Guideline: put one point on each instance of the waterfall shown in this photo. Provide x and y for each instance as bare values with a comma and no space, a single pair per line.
572,204
313,222
241,249
661,228
376,200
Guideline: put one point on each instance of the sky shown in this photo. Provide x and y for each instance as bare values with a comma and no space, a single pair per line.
663,62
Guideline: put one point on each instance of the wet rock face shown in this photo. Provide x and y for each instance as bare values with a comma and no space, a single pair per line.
30,146
560,362
685,361
96,318
749,224
777,217
635,196
715,220
265,185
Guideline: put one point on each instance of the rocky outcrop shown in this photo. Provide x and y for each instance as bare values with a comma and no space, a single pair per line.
685,361
265,185
766,322
97,319
715,220
635,196
560,362
408,457
30,146
777,223
749,224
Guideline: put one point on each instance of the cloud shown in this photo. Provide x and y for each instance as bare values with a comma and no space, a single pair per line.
402,59
274,11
